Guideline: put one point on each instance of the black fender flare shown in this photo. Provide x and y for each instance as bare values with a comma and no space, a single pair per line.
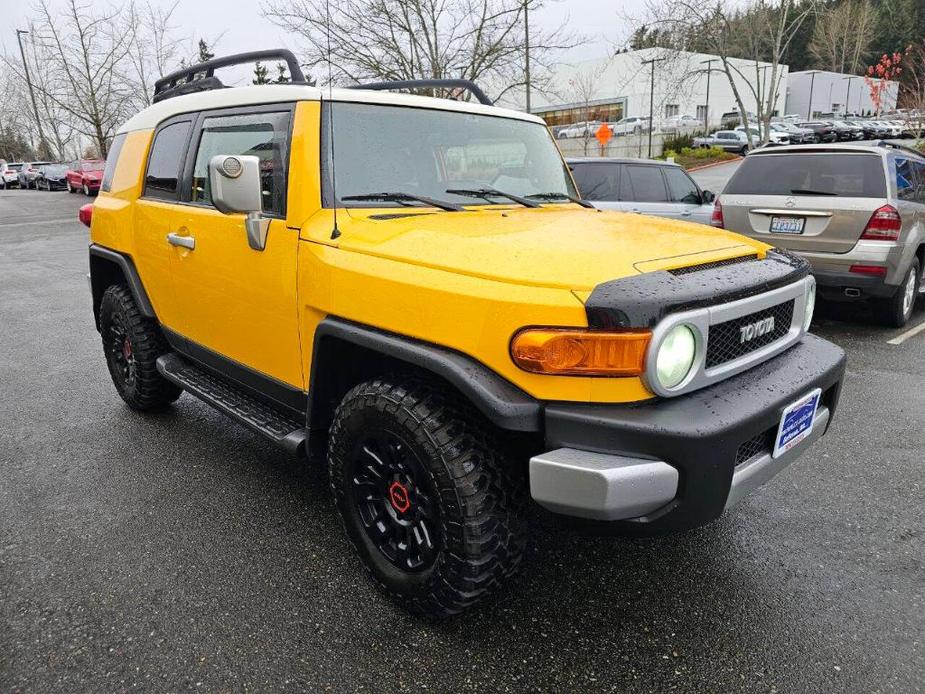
502,402
101,259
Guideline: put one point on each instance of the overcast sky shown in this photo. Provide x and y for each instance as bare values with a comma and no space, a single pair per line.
245,29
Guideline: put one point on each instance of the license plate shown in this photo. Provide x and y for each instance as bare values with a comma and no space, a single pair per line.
796,423
787,225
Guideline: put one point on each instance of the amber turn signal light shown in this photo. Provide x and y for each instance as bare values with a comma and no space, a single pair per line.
576,352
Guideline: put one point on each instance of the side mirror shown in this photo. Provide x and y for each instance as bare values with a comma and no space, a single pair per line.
707,196
236,188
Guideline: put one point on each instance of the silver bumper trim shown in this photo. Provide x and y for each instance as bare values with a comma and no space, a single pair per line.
600,486
753,473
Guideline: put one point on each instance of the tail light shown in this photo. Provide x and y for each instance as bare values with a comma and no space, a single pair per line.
875,270
716,219
884,225
85,214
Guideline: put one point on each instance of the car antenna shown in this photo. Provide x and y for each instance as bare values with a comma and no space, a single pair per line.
335,233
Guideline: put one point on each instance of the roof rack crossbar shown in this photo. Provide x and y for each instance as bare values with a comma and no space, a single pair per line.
894,145
429,84
185,80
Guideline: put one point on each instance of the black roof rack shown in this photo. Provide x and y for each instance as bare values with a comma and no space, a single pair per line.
429,84
201,77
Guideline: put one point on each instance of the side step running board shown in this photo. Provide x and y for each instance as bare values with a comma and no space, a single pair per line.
279,426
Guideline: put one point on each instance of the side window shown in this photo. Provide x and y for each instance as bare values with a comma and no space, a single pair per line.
645,182
919,181
263,135
111,160
166,160
680,187
905,180
597,181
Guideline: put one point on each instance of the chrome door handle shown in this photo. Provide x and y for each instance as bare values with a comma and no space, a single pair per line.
174,239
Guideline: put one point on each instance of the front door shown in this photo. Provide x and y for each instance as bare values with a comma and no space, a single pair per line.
237,302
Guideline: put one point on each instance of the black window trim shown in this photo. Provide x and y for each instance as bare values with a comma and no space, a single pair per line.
173,120
186,183
684,173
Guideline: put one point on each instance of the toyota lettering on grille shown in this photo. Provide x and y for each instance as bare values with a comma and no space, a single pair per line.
749,332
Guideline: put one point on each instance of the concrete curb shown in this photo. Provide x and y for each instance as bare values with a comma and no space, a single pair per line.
714,163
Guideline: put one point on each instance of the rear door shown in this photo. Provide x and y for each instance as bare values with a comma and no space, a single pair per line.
643,190
686,200
816,201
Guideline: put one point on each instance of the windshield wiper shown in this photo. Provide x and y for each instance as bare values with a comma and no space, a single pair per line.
810,191
488,193
405,197
560,196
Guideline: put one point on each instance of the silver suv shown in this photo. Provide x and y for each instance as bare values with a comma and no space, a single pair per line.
856,212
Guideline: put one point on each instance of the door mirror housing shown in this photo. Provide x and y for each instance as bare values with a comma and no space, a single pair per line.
707,196
236,189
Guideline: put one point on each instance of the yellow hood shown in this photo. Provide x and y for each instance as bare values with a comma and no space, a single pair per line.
554,246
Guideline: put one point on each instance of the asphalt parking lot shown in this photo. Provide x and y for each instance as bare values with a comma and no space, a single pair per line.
180,552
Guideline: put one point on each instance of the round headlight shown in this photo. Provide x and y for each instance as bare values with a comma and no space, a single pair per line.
675,356
810,305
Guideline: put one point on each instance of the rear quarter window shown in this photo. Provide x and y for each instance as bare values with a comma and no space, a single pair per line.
115,149
834,174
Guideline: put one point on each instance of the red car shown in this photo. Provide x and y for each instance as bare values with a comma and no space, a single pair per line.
85,175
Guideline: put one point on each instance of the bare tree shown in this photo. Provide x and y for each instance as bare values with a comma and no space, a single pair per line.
155,48
413,39
912,89
582,89
842,35
85,48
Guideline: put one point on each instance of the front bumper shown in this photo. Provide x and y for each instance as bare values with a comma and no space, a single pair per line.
674,464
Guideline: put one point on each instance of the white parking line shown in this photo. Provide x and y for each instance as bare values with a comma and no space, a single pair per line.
899,339
47,221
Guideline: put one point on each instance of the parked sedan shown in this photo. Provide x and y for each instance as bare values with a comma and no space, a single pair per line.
29,172
871,130
9,174
85,175
729,140
51,177
643,186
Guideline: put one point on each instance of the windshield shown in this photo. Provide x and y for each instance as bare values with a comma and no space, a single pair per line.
55,169
426,152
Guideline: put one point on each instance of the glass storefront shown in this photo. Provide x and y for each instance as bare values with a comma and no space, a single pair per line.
609,112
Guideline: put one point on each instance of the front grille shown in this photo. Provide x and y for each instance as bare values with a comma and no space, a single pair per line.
726,343
755,446
709,266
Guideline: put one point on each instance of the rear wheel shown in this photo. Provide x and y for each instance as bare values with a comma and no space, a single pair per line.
425,495
86,190
132,343
897,310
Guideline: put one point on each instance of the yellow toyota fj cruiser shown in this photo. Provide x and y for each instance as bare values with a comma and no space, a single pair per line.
409,288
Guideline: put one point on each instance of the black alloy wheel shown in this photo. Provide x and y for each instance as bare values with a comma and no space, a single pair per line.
394,499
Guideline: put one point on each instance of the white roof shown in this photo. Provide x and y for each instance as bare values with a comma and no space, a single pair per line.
273,94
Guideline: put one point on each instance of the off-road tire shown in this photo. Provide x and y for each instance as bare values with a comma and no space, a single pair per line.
146,389
895,312
480,501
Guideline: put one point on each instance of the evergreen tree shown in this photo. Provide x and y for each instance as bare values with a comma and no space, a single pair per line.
260,73
282,77
204,52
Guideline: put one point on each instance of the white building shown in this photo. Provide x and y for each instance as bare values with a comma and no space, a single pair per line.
684,84
811,93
